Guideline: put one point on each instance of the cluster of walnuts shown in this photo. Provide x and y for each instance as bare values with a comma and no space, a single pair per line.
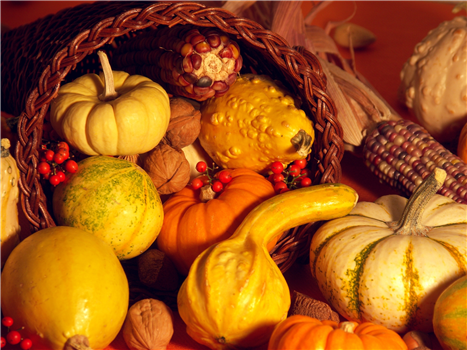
166,164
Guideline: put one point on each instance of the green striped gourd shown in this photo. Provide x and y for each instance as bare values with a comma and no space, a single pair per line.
388,261
450,316
115,200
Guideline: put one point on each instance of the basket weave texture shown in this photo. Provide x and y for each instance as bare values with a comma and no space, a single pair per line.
39,57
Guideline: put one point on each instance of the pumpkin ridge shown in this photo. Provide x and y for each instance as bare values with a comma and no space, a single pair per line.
87,129
318,250
410,280
454,252
129,96
367,217
353,284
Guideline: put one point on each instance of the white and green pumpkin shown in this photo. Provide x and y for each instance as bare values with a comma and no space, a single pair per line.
115,200
388,261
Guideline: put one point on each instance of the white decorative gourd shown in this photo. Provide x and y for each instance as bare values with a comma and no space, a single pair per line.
10,195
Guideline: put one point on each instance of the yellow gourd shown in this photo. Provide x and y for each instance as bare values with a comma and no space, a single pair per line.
254,124
235,294
10,195
96,119
65,286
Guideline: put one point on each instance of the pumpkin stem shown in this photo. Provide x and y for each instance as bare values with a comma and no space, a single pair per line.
409,223
5,148
348,327
302,143
206,193
109,92
77,342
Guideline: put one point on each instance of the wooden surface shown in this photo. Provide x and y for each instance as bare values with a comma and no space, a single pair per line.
398,25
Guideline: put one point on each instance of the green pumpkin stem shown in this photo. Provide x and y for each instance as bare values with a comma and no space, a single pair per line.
302,143
109,92
410,222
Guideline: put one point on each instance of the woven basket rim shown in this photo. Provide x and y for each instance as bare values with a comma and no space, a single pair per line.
303,67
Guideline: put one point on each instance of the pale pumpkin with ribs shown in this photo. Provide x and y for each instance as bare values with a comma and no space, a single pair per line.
113,113
388,261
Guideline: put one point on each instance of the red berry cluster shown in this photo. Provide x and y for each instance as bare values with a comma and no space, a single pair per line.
296,175
210,177
55,160
14,337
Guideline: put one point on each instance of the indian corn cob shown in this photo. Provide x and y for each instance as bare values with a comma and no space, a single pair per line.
402,154
197,63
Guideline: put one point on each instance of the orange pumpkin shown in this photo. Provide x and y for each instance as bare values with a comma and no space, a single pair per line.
462,145
307,333
191,225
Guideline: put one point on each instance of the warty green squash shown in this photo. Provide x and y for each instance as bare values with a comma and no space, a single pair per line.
115,200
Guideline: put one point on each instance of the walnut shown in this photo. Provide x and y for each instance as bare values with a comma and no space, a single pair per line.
185,123
148,325
167,167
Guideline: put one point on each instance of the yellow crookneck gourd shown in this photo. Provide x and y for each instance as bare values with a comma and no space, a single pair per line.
10,196
235,294
254,124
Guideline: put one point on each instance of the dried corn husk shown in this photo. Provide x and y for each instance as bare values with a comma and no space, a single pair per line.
360,107
350,34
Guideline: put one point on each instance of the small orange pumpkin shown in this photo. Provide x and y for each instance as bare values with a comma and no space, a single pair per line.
462,145
307,333
190,225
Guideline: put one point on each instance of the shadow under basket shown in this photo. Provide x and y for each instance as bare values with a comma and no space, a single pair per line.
39,57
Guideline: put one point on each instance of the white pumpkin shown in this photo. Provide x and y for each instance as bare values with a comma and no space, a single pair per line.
388,261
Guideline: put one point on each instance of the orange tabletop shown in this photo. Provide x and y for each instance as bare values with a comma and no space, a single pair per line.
398,26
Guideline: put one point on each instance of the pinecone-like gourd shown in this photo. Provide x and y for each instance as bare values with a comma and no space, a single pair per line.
196,63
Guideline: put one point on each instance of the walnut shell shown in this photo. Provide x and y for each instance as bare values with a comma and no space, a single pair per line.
148,325
168,168
185,123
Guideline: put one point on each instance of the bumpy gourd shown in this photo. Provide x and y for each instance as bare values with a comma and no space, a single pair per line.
388,261
65,286
433,80
10,195
253,125
235,294
115,200
113,113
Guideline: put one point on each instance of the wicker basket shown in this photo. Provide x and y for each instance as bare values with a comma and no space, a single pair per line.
39,57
